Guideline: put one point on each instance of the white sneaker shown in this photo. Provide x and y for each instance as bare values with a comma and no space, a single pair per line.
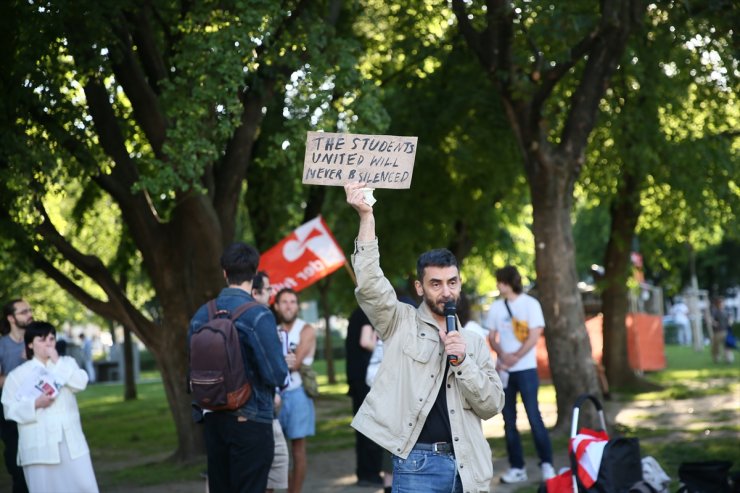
514,475
548,472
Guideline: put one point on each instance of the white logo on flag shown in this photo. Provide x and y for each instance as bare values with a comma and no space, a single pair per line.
314,237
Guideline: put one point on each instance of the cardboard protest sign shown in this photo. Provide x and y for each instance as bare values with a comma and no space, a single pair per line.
303,257
381,161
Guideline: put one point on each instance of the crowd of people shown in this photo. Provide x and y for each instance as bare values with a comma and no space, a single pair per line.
412,433
421,378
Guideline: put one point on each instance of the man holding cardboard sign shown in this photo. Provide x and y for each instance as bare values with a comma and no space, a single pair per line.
437,380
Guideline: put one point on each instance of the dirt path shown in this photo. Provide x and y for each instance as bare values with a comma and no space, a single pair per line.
333,472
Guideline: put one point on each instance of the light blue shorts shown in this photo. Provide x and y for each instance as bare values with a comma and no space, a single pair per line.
297,414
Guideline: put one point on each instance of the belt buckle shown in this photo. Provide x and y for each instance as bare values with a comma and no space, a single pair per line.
439,447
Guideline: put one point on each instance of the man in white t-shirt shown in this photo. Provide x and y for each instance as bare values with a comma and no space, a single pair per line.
298,415
516,323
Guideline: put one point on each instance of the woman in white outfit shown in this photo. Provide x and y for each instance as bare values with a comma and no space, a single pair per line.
39,396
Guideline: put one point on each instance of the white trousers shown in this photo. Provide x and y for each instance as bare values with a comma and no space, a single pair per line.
69,476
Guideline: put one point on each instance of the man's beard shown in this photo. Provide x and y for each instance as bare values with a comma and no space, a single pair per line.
286,320
23,325
434,306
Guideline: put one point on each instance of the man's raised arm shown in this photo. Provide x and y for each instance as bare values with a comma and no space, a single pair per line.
356,198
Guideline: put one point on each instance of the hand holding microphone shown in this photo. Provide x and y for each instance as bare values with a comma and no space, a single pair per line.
453,341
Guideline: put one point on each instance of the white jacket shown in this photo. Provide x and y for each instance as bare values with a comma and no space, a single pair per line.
41,430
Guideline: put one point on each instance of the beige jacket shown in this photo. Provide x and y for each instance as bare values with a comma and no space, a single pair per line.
406,384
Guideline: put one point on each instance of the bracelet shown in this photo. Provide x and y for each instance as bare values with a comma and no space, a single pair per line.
458,362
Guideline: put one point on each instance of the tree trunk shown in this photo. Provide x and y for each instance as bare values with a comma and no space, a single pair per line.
129,380
328,349
171,357
625,211
568,345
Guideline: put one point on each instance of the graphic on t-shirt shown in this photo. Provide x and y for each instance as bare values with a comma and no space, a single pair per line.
520,328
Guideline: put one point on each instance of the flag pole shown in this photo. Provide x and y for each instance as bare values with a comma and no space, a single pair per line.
350,272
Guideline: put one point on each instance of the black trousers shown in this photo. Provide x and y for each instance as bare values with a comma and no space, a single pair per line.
9,434
369,454
240,453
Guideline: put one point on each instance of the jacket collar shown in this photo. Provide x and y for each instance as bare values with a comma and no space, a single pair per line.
426,315
235,292
38,362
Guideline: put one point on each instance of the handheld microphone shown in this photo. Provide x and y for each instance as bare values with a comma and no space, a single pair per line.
450,311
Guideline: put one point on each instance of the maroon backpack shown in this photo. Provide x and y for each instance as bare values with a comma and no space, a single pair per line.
218,380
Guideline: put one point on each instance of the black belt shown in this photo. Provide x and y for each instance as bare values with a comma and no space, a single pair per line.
437,447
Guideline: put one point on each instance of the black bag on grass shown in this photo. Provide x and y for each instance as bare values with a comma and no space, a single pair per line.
621,467
621,464
705,477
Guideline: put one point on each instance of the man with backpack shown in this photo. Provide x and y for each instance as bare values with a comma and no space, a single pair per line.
236,400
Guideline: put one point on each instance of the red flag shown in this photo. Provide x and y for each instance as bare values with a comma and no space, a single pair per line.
303,257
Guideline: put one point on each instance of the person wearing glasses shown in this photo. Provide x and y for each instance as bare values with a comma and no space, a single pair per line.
277,479
17,315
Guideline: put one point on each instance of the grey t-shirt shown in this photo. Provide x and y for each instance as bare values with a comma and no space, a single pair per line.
11,354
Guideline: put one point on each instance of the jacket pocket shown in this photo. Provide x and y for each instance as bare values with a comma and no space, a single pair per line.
420,347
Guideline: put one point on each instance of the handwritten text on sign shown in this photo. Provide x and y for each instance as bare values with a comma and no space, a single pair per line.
381,161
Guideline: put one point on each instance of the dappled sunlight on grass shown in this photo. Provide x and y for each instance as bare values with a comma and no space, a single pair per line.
546,393
113,425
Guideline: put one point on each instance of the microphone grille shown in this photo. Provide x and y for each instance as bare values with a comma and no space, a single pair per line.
450,308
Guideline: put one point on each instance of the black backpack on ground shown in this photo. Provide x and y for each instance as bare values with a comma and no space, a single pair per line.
705,477
218,379
621,462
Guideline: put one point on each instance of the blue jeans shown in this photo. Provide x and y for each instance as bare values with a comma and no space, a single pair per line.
526,383
425,471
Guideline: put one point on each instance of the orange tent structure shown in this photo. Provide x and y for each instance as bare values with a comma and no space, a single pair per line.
645,343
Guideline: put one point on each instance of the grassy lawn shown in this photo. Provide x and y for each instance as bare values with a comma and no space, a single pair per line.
131,441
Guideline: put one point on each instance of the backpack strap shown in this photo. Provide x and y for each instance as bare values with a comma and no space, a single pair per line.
212,309
214,312
239,311
506,303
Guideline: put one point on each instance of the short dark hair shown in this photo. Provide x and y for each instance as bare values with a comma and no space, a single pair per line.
282,292
36,329
258,281
8,309
509,275
439,257
240,262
